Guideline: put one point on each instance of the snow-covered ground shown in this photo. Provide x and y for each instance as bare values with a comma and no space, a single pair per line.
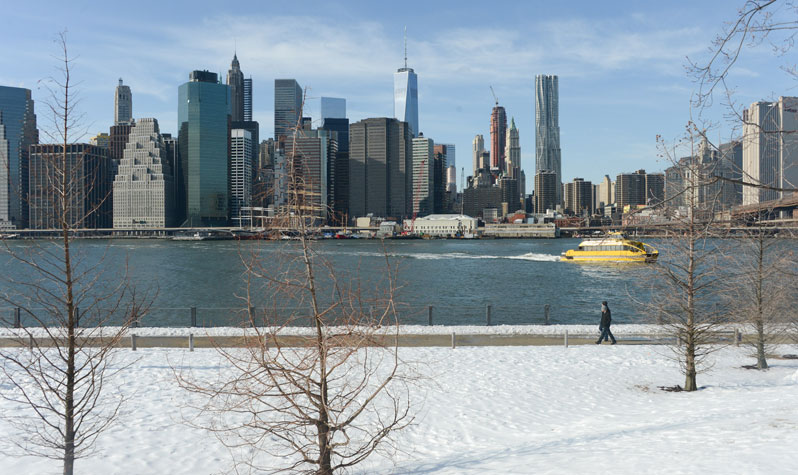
584,409
592,330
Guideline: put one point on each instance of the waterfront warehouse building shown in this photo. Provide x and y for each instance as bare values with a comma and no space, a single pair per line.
380,165
17,132
87,173
442,225
203,118
143,186
240,173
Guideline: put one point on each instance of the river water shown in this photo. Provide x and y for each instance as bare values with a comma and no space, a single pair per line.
459,278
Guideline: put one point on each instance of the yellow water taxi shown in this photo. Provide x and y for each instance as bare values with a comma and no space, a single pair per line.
614,247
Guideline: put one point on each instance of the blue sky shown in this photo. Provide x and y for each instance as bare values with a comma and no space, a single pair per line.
621,64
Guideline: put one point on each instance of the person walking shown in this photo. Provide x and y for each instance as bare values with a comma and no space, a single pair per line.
604,326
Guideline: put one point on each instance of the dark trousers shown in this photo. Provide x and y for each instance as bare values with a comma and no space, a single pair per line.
605,332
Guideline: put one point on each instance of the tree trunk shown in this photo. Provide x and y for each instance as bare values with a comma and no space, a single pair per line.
690,371
761,361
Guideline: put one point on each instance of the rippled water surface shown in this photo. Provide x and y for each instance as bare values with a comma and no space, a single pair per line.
459,278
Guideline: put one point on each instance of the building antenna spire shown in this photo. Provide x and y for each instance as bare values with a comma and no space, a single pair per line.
405,46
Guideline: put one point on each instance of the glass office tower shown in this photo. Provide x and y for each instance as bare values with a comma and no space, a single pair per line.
203,117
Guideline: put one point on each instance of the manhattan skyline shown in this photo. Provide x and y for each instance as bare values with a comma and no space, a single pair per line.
620,67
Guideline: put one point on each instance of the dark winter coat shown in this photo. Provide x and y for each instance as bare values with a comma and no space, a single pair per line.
606,318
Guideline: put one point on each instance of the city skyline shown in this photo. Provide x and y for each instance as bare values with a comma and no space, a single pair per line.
614,65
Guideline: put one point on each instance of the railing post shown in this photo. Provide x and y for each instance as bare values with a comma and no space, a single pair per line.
17,319
566,338
453,340
737,337
429,315
193,316
487,314
546,309
190,342
133,341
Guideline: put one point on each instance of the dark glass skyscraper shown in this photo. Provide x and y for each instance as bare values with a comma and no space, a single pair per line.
287,107
380,165
248,99
339,176
203,118
235,79
18,120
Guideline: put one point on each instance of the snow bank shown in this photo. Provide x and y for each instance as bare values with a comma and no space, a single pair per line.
585,409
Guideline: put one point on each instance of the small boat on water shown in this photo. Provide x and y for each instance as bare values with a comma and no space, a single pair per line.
614,247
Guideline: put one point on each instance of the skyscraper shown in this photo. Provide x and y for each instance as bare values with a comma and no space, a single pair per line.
423,177
235,80
547,128
770,148
380,165
18,121
545,191
143,186
203,118
477,147
405,95
287,108
123,104
339,129
498,136
312,159
333,108
248,99
240,172
87,174
512,154
451,161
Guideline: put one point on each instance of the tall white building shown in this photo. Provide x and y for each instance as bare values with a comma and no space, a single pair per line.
405,96
770,148
512,153
123,105
142,188
604,192
240,172
477,149
423,176
547,128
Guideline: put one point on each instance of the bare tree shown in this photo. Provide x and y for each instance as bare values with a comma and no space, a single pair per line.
61,378
762,290
324,401
690,269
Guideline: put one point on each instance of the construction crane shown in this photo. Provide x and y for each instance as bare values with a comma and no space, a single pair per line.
494,95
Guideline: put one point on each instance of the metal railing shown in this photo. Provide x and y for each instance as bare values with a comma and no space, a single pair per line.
430,314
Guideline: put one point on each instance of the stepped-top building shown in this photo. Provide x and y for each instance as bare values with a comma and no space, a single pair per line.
142,189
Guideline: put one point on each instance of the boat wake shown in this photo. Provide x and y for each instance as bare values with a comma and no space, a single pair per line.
530,256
